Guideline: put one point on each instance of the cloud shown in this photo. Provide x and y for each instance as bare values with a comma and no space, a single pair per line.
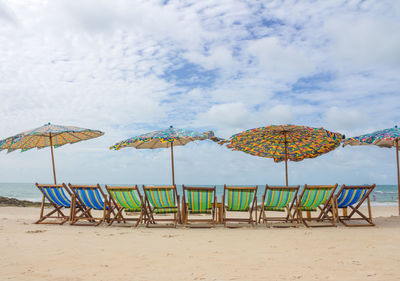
345,119
131,67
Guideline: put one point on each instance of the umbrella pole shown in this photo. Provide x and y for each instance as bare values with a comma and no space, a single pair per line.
398,172
286,157
52,159
172,162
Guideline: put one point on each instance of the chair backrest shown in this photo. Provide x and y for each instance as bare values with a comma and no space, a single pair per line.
239,198
161,197
278,197
128,198
57,194
316,195
350,195
90,195
199,199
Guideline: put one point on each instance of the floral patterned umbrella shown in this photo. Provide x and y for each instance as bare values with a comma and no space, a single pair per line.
384,138
164,139
285,142
48,135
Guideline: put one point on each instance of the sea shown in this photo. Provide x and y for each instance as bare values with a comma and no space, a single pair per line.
382,194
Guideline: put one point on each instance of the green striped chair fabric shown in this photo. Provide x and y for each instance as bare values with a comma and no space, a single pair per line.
127,199
278,199
162,200
239,199
200,201
314,197
165,210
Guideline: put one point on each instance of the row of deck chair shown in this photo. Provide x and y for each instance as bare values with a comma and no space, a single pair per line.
82,199
322,201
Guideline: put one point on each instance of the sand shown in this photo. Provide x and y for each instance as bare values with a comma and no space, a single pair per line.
52,252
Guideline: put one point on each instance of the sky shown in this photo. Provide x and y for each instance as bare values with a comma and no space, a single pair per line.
131,67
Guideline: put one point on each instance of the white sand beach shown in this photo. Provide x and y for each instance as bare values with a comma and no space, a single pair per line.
52,252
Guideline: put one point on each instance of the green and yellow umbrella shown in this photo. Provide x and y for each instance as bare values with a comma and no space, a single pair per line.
48,135
285,142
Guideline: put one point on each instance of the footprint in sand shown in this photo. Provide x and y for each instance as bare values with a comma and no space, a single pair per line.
35,231
169,236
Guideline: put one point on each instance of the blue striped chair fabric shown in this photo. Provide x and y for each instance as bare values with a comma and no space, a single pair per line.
349,197
57,195
91,197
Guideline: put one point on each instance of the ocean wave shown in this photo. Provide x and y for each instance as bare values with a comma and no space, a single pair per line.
384,192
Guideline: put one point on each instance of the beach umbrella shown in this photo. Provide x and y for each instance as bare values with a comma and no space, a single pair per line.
165,139
285,142
48,135
385,138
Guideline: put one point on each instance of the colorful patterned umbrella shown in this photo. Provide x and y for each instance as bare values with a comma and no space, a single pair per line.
384,138
285,142
163,139
48,135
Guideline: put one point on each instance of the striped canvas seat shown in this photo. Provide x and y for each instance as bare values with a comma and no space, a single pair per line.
349,197
279,199
57,195
127,199
352,197
239,200
91,197
317,198
200,201
312,198
161,200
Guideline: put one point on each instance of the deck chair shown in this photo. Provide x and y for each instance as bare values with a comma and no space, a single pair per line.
161,200
60,198
353,197
239,199
199,200
93,198
279,199
317,198
126,199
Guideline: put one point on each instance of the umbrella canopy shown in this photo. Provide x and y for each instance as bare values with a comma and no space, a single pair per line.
384,138
48,135
164,139
285,142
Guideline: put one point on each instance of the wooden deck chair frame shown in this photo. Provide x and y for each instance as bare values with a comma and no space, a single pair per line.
185,207
323,215
345,218
91,220
119,209
289,218
150,210
252,206
58,209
